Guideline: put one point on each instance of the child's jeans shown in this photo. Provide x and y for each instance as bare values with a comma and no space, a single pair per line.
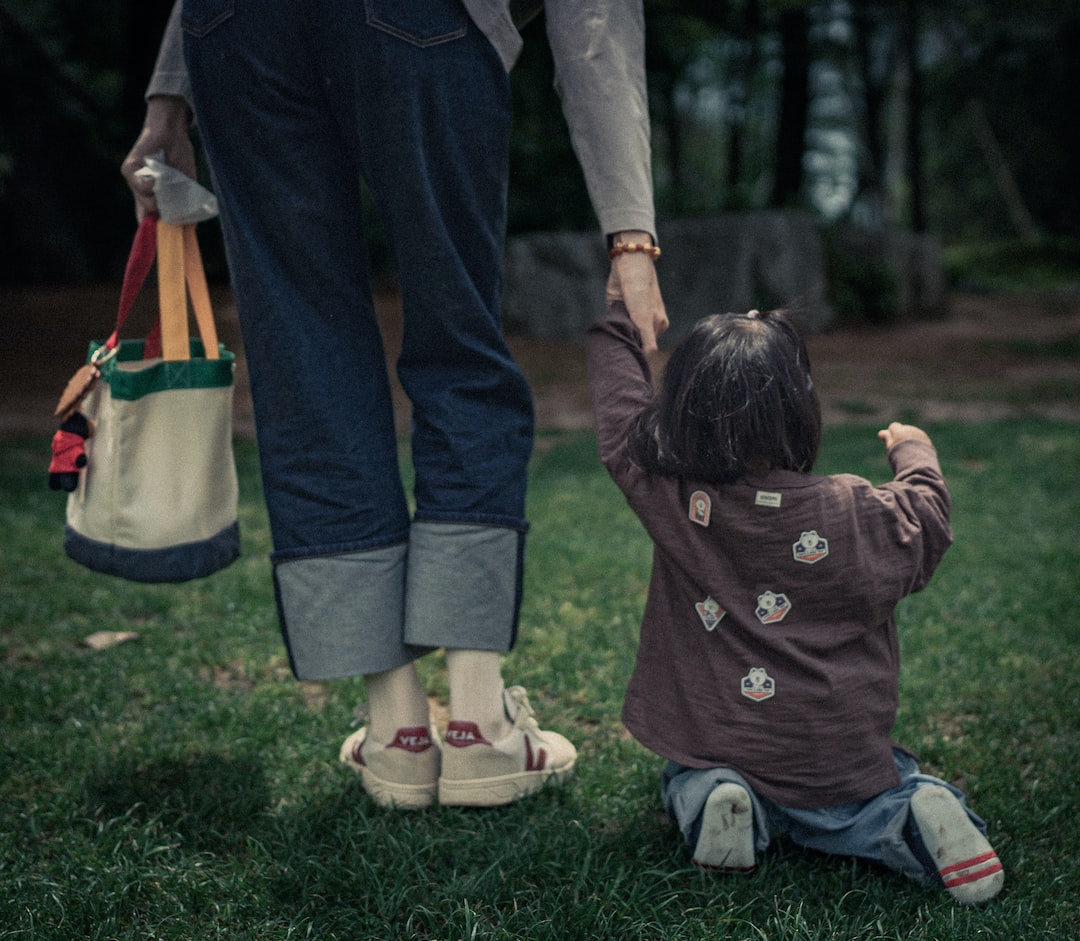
878,829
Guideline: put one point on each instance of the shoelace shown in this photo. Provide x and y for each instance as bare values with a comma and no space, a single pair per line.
523,717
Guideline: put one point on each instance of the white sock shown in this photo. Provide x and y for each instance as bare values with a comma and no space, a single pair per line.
476,691
396,700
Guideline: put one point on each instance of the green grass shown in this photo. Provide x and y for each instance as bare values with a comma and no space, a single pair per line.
183,786
1011,267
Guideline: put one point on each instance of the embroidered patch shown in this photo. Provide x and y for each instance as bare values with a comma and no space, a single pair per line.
700,507
710,613
772,607
810,548
768,498
758,685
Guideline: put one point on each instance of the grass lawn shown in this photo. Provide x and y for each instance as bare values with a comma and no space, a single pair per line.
184,786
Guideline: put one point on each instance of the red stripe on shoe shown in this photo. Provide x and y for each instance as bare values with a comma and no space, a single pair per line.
973,876
980,866
534,761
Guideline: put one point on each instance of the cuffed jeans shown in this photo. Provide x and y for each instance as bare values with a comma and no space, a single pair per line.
297,101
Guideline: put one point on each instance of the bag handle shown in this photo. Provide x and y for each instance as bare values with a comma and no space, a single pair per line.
179,261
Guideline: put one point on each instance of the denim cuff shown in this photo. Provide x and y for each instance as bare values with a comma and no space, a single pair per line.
463,587
341,615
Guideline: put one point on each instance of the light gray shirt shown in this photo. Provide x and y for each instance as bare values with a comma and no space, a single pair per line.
599,53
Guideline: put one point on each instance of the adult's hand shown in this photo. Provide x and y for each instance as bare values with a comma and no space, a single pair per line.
633,279
165,130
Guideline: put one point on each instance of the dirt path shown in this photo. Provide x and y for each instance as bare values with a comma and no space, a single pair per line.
990,358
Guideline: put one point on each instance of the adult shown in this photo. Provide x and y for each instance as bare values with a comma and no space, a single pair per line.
295,104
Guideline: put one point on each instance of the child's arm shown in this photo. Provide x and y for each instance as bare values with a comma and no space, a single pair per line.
619,378
922,498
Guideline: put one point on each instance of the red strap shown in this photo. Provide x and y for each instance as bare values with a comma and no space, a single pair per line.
144,251
152,343
140,262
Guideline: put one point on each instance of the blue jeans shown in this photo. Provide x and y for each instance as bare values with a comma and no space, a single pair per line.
879,829
297,101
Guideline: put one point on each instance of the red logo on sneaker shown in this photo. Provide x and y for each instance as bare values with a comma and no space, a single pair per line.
416,739
464,734
534,761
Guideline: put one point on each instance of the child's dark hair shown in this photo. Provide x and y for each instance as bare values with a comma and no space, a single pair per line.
736,397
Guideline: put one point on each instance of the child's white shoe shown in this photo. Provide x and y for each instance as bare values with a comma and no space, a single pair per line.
726,841
967,864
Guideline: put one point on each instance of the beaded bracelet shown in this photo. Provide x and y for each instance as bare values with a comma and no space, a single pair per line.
619,248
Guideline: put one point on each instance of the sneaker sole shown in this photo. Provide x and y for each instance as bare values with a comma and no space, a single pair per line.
968,865
395,796
498,791
726,842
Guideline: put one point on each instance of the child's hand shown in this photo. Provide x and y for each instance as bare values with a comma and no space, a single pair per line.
897,432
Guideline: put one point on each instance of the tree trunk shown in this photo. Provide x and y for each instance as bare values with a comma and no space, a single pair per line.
914,117
794,107
143,25
871,165
748,65
1003,175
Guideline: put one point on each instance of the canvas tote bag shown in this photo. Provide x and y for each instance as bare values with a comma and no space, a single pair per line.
157,498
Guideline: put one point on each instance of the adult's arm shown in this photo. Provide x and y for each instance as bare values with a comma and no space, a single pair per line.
599,54
168,119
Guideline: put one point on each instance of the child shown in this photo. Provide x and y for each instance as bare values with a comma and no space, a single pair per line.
767,672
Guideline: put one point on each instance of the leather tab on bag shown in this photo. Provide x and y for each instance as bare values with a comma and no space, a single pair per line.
172,299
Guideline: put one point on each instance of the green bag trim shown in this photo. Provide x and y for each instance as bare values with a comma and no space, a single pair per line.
160,375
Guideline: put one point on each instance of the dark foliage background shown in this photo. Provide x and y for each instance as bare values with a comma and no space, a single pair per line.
952,117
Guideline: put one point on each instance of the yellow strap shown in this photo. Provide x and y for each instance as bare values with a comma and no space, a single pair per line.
179,260
200,295
172,301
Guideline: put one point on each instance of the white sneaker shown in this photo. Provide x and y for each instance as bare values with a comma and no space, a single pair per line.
479,773
726,841
403,773
967,864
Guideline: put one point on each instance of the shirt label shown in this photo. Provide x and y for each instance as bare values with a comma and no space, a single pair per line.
768,498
